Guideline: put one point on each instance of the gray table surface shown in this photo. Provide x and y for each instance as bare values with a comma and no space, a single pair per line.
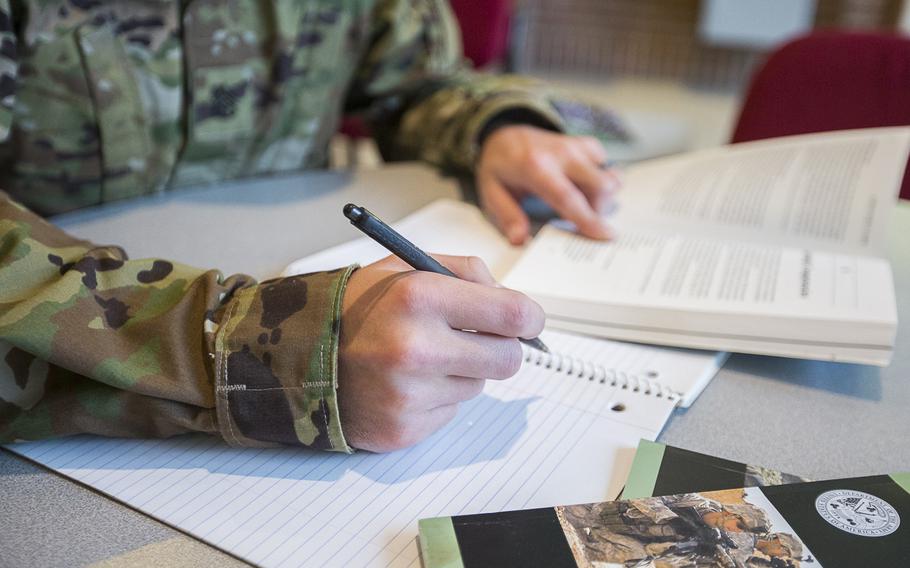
822,420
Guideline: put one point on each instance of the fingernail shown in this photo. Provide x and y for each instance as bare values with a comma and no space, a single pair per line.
603,231
515,234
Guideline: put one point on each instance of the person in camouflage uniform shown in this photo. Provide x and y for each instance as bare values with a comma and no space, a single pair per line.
104,100
689,529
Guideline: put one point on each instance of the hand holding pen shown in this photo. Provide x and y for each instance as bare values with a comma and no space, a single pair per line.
407,251
405,359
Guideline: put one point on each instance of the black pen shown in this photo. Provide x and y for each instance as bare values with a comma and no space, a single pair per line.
407,251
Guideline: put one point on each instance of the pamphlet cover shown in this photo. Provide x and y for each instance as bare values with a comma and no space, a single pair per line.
861,521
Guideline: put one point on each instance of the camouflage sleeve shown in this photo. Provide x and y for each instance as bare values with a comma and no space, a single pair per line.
93,342
8,68
425,104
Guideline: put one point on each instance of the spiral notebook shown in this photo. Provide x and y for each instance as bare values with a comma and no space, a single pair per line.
563,430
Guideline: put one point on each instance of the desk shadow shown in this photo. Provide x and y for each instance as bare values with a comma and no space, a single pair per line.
486,430
857,381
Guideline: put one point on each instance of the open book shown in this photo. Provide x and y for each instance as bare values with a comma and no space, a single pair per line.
772,247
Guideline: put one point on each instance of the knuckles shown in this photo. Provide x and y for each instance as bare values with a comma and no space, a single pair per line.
476,269
400,399
505,362
405,353
561,199
592,144
513,359
474,390
522,316
537,161
408,294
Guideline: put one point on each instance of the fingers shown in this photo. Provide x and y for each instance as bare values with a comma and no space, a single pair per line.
567,172
471,268
570,202
444,391
596,184
498,311
592,148
443,307
462,389
595,152
430,363
480,356
459,304
504,209
417,394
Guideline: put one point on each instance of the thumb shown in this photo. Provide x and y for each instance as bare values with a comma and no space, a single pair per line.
470,268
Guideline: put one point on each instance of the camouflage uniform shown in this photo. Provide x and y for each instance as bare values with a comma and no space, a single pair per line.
103,100
673,531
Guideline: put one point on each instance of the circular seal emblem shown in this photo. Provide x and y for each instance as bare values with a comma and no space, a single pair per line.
857,512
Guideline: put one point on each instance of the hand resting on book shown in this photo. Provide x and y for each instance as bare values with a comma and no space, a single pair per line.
567,172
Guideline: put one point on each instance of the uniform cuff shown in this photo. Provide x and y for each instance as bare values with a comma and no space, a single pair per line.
276,363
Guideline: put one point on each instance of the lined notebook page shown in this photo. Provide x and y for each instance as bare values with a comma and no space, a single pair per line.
547,436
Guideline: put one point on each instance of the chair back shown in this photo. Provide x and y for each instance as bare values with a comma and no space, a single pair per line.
830,81
484,29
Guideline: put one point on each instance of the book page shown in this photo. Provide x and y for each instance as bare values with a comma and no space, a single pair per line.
706,275
830,191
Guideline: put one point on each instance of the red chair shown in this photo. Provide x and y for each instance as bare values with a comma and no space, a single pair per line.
485,38
830,81
484,29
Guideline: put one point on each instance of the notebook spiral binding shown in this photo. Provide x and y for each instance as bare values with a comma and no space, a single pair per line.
576,367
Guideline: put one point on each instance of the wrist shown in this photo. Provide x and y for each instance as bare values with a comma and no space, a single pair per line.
511,118
276,363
